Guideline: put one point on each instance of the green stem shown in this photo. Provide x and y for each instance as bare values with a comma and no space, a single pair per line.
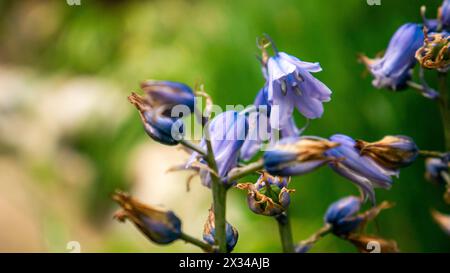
284,227
240,172
193,147
219,192
446,178
318,235
436,154
444,108
189,239
422,90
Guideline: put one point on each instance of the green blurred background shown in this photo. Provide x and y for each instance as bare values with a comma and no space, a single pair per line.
68,136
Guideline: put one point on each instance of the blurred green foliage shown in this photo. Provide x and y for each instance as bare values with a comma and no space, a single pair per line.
214,42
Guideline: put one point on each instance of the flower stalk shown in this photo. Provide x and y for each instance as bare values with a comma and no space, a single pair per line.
240,172
189,239
219,192
326,229
192,146
435,154
284,227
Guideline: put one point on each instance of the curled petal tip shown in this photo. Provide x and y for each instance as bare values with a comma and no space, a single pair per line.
138,101
442,220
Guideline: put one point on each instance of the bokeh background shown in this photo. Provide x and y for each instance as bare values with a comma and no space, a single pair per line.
68,136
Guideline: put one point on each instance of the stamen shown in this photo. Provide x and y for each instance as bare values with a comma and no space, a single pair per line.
298,90
283,87
274,47
423,10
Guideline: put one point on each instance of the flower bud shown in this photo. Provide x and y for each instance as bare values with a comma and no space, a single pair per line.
209,231
435,169
341,215
159,225
268,196
392,152
297,155
159,127
372,244
361,170
168,94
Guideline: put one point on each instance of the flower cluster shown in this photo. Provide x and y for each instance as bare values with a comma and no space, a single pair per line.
230,139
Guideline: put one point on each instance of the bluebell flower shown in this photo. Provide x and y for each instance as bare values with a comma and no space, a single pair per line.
342,215
290,84
393,70
392,152
360,169
159,126
209,232
227,133
269,196
445,14
297,155
159,225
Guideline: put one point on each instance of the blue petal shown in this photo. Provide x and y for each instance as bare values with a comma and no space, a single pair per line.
363,183
359,165
393,70
290,130
343,208
310,67
169,93
445,14
159,128
310,107
227,133
161,232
